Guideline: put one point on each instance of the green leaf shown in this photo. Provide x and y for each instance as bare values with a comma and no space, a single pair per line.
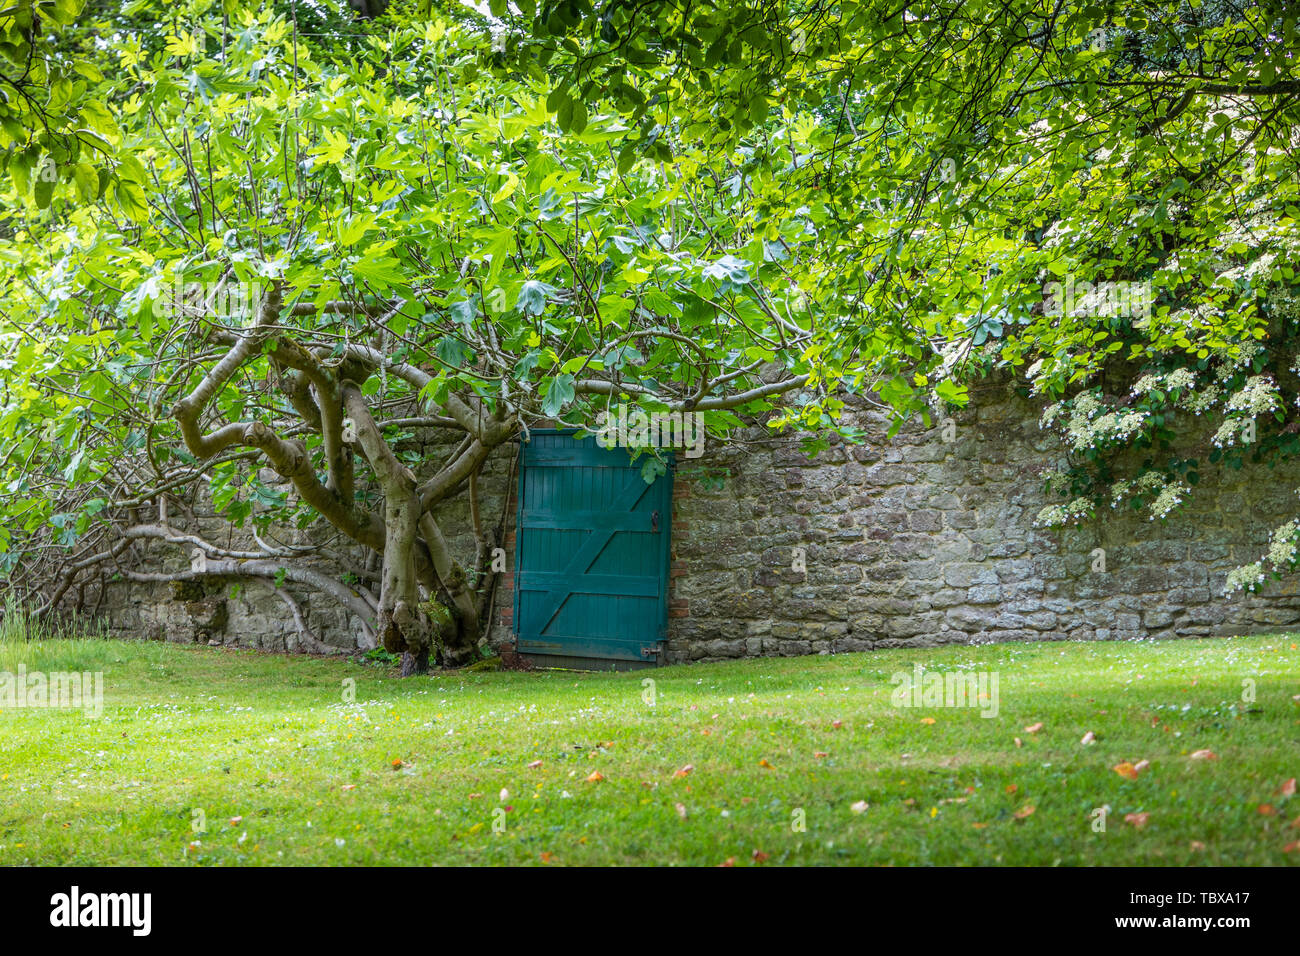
43,191
578,121
627,158
559,393
452,351
556,99
131,200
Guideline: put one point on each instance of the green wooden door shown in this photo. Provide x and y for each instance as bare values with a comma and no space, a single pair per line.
591,560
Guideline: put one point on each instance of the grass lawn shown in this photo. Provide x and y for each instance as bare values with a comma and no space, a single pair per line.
265,751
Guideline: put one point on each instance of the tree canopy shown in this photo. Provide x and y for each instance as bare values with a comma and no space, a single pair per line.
239,236
298,261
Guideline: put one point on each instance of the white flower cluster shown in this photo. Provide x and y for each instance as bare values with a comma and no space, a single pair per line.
1168,494
1201,401
1148,481
1052,477
1178,379
1170,497
1284,545
1147,383
1257,397
1284,304
1247,578
1055,516
1283,555
1238,358
1091,424
1227,434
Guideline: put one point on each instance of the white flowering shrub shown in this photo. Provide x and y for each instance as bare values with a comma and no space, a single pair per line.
1055,516
1245,404
1283,556
1246,578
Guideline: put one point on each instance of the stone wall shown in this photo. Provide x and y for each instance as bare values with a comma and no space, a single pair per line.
906,540
918,541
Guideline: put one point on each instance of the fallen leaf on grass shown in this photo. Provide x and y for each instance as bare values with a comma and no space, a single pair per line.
820,753
1088,738
1267,810
927,720
1126,770
235,821
1012,788
596,777
1292,847
730,861
1138,820
681,810
348,786
760,856
534,765
1019,742
763,763
1205,755
1198,845
837,724
1034,728
1141,765
546,856
1024,812
685,770
979,826
1287,789
860,806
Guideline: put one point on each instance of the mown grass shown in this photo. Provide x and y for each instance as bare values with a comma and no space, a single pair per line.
266,754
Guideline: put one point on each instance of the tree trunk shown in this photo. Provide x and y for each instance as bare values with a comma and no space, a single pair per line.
458,637
461,646
402,625
417,663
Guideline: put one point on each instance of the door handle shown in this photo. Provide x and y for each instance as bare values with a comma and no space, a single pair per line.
654,521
